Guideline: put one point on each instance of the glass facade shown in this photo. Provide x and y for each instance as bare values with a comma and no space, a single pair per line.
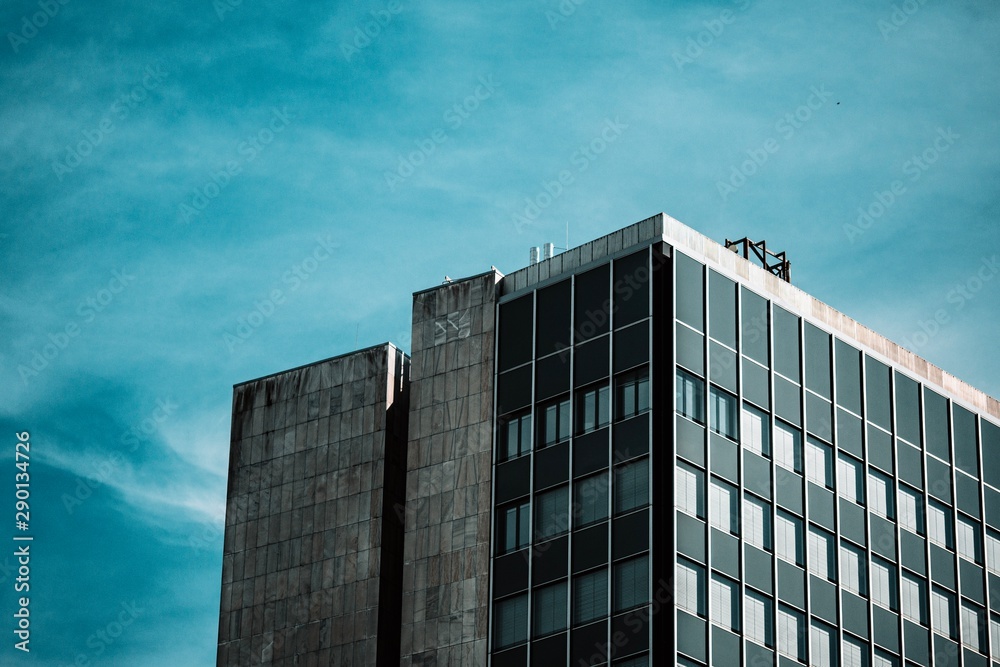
868,535
581,575
817,505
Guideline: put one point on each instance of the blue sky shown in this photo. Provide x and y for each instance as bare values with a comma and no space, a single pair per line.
199,193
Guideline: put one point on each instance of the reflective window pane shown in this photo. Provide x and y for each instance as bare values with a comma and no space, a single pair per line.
722,309
690,291
786,343
754,323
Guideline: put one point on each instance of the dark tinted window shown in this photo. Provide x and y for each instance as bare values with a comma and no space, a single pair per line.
515,332
818,360
991,456
722,309
848,377
907,409
786,343
553,318
592,303
936,424
966,453
754,323
631,288
877,393
690,290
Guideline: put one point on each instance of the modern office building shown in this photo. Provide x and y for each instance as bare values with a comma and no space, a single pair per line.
647,450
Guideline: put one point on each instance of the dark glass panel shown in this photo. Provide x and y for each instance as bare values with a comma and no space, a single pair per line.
911,464
966,452
908,409
817,360
554,304
631,288
690,349
631,346
880,448
787,400
722,366
991,452
786,343
754,324
592,303
690,291
722,309
514,346
591,361
936,424
877,393
849,433
551,376
819,416
756,385
848,377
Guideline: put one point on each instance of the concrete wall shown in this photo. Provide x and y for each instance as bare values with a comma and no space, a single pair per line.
447,544
316,458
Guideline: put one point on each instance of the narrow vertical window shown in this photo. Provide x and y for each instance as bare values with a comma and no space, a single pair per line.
590,499
883,584
690,490
939,524
515,436
914,599
880,494
791,628
631,584
551,513
852,569
819,463
724,606
759,619
691,396
757,522
722,407
510,625
911,513
690,587
724,506
973,627
850,479
822,559
756,432
554,423
943,616
593,409
968,540
787,447
513,527
631,394
631,486
590,596
788,538
549,611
